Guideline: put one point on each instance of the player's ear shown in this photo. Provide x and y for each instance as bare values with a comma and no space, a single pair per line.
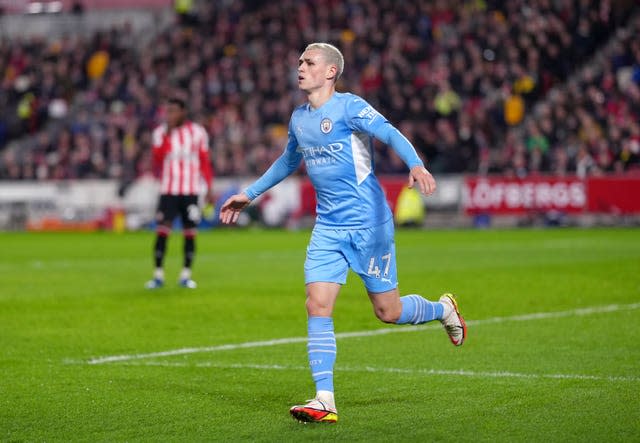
332,70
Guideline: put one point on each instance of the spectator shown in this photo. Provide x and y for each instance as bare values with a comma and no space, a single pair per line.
443,60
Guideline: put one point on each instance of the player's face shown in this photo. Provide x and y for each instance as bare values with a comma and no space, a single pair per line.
313,71
175,115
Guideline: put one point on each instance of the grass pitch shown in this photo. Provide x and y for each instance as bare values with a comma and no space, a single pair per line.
87,354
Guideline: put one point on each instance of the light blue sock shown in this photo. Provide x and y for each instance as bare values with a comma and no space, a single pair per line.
322,351
417,310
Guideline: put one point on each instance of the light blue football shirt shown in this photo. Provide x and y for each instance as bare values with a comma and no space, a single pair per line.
335,142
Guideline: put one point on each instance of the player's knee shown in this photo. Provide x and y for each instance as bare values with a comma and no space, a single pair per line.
163,230
387,314
318,307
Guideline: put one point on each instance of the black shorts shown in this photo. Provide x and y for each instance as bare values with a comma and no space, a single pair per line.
170,206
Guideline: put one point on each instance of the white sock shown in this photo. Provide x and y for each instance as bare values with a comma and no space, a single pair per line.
185,274
158,273
327,398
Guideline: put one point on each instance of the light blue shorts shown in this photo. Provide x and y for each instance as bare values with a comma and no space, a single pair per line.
370,252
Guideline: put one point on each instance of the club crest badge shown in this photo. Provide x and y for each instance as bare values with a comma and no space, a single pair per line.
326,125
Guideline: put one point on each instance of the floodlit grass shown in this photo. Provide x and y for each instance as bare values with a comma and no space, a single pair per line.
569,374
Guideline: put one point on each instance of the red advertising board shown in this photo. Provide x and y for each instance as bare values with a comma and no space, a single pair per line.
500,195
614,195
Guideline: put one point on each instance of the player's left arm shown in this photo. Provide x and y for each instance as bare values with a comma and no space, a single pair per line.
205,165
366,119
418,174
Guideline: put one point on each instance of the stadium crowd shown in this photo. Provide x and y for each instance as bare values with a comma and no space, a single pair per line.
460,78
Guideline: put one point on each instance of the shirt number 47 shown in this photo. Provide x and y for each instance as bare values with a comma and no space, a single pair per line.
374,269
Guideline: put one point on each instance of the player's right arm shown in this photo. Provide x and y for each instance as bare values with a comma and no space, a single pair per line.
232,207
284,166
159,148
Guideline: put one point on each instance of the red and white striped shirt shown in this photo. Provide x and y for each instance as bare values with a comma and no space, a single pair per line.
182,156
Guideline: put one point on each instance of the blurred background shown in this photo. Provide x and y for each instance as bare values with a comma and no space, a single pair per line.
527,112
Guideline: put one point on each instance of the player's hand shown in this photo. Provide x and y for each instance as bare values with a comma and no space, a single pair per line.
424,180
231,209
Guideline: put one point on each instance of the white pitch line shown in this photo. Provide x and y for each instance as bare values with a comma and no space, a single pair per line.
425,372
284,341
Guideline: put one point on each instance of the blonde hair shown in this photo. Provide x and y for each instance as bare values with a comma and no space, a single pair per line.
332,55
